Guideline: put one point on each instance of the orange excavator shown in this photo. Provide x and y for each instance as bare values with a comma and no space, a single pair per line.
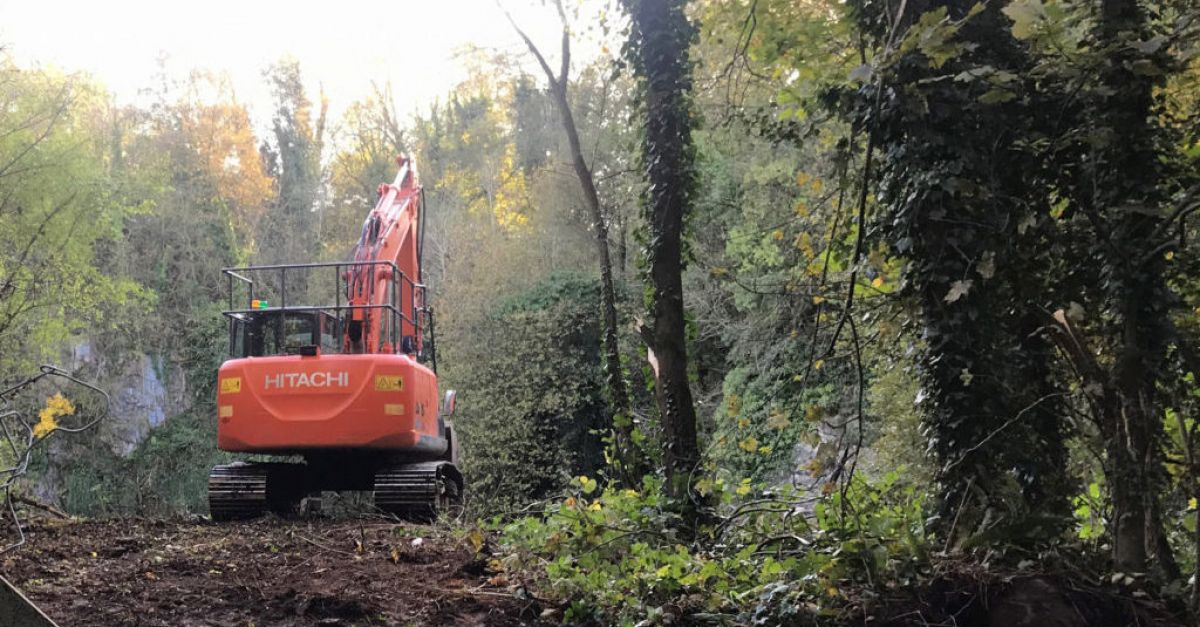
346,391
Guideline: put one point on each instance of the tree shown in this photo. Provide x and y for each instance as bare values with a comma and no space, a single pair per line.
57,216
961,202
372,138
630,465
294,159
537,401
660,38
1123,194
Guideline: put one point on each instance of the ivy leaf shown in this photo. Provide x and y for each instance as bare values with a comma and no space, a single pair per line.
987,265
1145,67
958,289
1025,15
996,95
1150,46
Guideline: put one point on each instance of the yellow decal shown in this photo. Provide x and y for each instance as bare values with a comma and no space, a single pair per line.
389,383
226,411
393,409
232,385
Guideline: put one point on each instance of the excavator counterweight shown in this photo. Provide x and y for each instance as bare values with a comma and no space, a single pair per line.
334,363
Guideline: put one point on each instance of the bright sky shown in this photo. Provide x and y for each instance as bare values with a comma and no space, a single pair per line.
341,45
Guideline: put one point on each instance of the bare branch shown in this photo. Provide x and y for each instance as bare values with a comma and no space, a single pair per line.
565,67
537,54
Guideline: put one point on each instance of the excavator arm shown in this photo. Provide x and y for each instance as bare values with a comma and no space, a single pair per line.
390,233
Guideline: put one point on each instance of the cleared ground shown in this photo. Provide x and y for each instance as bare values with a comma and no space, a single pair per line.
266,572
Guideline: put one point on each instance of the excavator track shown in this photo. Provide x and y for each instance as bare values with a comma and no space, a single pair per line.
413,491
420,491
237,491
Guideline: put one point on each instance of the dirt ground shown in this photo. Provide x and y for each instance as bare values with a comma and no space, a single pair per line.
265,572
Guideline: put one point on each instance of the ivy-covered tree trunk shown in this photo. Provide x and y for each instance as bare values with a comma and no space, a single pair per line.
1126,179
963,204
1112,180
661,36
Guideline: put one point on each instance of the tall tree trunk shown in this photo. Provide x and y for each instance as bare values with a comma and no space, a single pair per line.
630,462
1127,176
661,36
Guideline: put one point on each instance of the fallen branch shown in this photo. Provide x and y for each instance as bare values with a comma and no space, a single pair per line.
325,547
36,504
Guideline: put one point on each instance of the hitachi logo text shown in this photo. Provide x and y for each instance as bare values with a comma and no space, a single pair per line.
305,380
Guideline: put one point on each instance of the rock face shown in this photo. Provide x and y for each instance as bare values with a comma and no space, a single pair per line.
145,391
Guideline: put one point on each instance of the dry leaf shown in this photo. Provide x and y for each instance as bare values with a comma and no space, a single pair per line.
958,289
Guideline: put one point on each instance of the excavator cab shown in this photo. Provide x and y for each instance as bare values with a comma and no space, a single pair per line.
266,333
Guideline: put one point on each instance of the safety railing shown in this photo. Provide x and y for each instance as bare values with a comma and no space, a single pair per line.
404,304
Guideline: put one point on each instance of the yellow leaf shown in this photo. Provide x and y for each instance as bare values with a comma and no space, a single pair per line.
595,506
476,539
818,299
804,243
1192,503
56,406
878,282
1170,255
777,234
818,364
765,450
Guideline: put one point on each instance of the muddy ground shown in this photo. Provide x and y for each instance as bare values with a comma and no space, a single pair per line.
265,572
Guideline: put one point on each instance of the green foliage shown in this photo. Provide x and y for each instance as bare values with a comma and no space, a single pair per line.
57,212
536,394
765,418
962,204
612,556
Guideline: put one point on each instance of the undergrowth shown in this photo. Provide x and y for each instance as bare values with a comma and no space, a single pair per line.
611,556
